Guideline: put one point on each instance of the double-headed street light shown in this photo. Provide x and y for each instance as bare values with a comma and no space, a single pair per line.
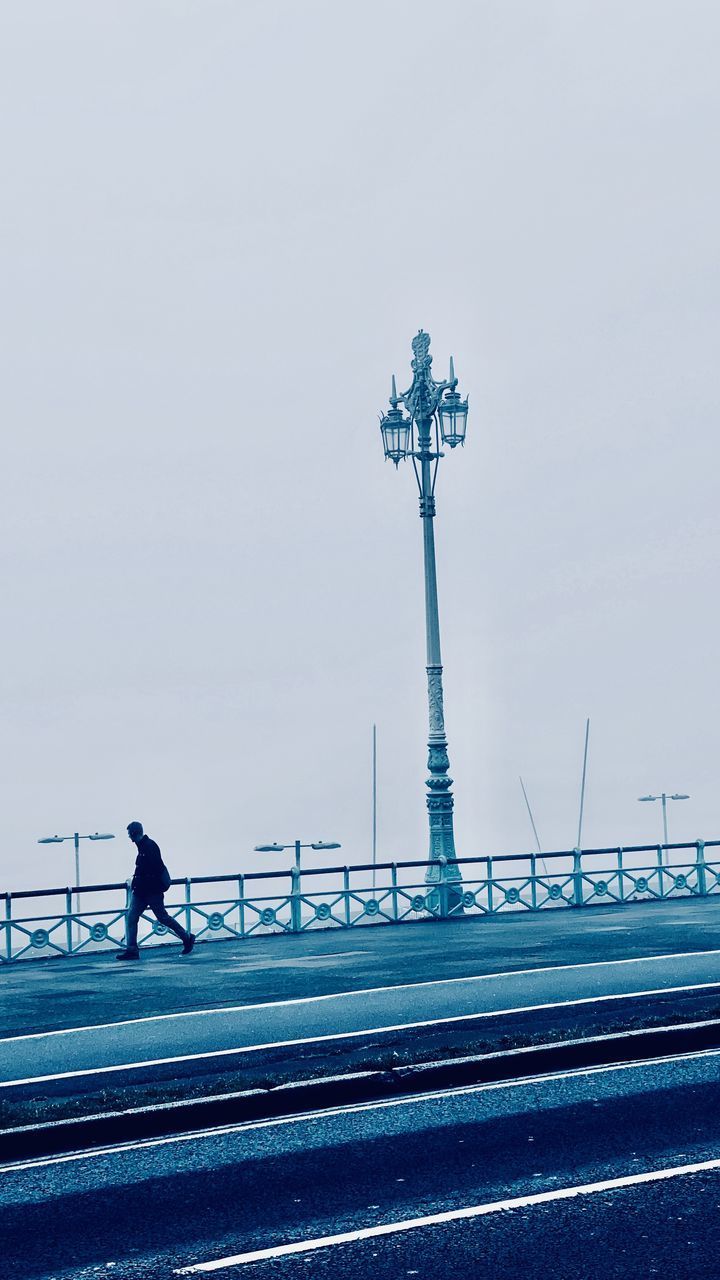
295,893
436,414
664,798
297,846
76,838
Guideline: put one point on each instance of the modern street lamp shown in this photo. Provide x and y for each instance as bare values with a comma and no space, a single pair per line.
295,892
664,798
436,414
297,846
76,838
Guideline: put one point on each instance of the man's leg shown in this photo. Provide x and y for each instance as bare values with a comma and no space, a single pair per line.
135,909
159,910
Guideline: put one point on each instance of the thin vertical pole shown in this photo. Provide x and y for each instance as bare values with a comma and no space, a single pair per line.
374,801
68,922
8,926
582,787
295,891
76,838
532,820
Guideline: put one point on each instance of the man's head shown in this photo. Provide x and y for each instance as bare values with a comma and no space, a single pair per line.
135,831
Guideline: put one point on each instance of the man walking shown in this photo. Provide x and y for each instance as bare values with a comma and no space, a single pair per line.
149,883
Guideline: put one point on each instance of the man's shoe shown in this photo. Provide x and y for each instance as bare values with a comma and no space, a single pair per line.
128,955
188,944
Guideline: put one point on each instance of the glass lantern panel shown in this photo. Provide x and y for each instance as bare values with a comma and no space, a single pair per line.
395,438
453,421
391,435
461,421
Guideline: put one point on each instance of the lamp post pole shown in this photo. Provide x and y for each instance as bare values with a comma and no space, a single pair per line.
435,410
664,797
76,838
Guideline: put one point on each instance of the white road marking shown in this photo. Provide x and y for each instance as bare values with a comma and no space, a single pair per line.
355,1108
368,991
345,1035
450,1215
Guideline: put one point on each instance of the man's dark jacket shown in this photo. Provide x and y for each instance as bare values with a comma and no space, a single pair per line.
148,879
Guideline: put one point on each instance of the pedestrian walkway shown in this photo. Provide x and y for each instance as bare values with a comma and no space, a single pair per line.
529,982
46,995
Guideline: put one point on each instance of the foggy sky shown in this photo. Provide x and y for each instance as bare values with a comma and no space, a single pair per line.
222,223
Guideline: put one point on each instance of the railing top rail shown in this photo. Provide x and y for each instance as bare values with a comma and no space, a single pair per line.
285,872
68,888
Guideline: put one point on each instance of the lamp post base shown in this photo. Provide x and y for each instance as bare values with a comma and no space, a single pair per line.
442,869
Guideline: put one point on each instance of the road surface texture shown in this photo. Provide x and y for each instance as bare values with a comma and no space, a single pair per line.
414,1187
44,995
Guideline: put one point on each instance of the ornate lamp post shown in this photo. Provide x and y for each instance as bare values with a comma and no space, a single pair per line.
436,413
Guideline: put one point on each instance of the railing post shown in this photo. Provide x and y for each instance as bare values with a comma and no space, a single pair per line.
241,905
442,888
490,885
394,889
701,879
533,881
295,903
621,875
188,905
346,896
578,899
68,920
8,924
128,895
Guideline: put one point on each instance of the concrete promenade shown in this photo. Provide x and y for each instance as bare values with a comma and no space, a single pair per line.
48,995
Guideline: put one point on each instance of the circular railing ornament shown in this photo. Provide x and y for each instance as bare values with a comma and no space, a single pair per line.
555,892
641,884
98,932
468,899
680,882
512,895
601,888
372,906
322,911
39,938
216,920
418,902
267,915
159,929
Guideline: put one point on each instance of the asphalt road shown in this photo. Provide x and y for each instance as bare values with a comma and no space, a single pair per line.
154,1209
44,995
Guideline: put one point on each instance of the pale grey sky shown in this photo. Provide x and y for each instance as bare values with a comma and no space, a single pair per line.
222,223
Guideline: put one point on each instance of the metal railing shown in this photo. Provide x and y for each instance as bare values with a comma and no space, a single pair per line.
251,905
